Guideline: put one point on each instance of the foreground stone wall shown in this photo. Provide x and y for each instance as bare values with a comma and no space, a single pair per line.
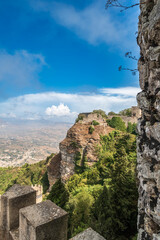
23,219
149,124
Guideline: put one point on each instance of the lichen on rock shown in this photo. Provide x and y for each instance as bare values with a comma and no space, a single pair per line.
148,163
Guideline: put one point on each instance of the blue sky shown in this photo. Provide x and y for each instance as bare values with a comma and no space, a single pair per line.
59,58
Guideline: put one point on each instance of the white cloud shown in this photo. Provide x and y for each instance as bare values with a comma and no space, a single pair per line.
93,23
20,68
126,91
60,110
8,115
35,106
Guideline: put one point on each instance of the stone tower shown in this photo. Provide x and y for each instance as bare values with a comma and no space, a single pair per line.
149,124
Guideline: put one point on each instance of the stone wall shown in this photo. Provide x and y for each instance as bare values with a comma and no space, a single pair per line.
149,124
125,119
135,115
23,219
136,111
39,192
89,117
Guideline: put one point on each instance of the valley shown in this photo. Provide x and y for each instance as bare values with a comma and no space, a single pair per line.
29,143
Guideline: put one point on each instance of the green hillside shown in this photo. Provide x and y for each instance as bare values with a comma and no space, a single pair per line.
28,174
104,196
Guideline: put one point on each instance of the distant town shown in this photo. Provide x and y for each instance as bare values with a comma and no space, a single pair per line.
29,143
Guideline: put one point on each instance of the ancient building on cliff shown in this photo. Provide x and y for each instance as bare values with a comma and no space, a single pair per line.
149,124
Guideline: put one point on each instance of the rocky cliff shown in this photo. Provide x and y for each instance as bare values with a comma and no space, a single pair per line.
149,124
78,148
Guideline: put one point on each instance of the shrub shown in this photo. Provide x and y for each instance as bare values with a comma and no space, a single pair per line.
91,129
74,144
95,123
126,112
112,113
100,112
79,118
78,163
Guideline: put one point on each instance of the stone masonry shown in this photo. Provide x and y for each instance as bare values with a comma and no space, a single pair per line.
149,124
23,219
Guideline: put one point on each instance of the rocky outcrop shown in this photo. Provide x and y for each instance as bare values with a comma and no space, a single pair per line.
149,125
88,234
77,149
53,169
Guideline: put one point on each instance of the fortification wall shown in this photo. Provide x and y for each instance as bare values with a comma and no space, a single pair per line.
125,119
23,219
149,124
89,117
39,192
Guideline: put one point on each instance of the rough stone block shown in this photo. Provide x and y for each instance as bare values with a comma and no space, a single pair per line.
12,201
88,234
156,236
43,221
14,234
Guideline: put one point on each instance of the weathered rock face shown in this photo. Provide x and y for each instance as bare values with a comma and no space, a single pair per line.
53,169
79,144
149,125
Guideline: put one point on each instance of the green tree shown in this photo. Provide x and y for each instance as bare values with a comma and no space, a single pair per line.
100,112
101,214
80,208
112,113
45,182
91,129
59,194
95,123
126,112
114,214
132,128
117,123
129,127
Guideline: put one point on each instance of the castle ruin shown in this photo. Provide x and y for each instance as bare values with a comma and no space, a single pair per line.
22,219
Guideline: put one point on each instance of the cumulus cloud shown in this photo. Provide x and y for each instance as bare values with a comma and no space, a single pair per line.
93,23
60,110
20,68
66,106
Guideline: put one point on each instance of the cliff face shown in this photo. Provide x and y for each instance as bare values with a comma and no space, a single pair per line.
78,148
149,124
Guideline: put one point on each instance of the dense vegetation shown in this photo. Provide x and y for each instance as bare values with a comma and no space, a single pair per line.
104,196
126,112
117,123
28,174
